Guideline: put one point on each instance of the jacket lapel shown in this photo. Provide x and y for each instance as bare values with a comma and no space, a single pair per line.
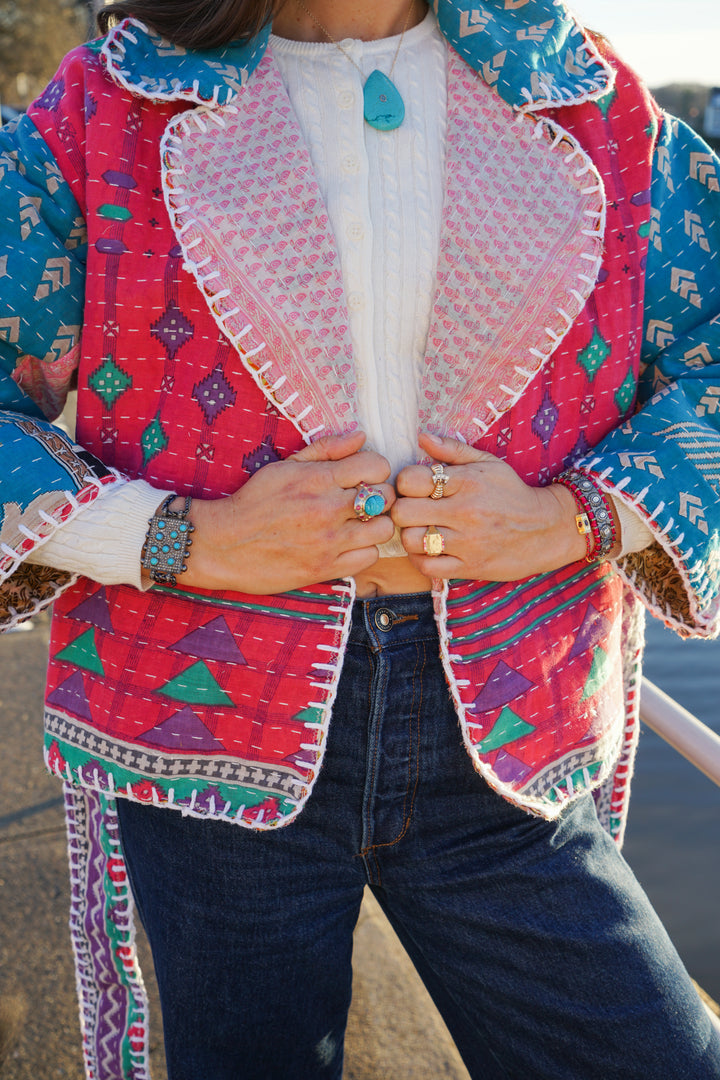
520,251
521,245
248,212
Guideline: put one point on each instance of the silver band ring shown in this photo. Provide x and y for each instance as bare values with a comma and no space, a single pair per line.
440,479
433,541
369,502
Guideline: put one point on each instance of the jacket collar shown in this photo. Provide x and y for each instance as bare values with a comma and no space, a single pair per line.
534,53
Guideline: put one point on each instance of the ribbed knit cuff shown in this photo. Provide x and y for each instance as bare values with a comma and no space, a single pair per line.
634,533
105,542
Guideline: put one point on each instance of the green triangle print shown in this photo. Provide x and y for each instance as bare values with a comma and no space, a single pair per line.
83,653
508,727
197,686
311,715
599,673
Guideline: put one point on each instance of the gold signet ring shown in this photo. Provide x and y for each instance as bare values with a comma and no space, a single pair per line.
433,541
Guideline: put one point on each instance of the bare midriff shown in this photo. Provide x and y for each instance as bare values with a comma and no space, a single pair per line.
389,576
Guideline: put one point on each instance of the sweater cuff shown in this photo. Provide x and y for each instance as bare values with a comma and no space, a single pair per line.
634,533
105,542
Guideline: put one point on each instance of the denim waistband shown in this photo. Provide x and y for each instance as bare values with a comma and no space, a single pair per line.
393,620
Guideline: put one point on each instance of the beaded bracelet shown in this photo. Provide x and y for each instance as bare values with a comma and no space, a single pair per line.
595,521
168,542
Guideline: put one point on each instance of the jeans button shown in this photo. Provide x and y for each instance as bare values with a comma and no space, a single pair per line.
384,618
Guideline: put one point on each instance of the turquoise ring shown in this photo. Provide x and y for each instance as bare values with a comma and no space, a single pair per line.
369,502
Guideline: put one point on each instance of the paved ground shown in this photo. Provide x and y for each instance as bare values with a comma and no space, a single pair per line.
394,1028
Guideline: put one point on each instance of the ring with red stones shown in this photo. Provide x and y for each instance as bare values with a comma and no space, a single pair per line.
369,502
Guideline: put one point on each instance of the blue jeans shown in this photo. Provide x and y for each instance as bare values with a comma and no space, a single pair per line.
533,937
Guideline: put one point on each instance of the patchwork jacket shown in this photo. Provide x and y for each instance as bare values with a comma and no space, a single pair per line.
164,247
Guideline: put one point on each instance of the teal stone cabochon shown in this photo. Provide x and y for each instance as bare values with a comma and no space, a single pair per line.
383,107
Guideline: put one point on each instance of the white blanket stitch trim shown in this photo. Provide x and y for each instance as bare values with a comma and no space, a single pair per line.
540,807
693,575
49,524
317,744
113,53
578,297
226,317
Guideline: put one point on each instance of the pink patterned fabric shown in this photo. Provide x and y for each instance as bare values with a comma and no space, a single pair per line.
520,252
263,252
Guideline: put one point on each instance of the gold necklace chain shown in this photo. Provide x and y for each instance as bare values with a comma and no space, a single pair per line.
342,49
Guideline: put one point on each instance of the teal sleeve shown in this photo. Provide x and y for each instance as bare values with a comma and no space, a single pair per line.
43,250
46,479
665,461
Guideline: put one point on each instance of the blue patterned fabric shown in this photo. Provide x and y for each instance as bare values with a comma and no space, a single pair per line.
534,52
43,247
666,460
161,71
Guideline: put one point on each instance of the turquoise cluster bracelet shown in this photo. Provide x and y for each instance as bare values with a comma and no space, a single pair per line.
167,543
595,520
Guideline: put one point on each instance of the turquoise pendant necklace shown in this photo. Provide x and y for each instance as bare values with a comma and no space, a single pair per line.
383,106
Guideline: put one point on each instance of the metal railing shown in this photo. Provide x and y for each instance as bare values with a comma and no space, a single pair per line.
691,738
683,731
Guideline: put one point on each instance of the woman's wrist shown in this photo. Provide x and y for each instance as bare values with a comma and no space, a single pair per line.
571,544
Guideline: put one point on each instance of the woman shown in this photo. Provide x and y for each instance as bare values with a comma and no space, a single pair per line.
353,295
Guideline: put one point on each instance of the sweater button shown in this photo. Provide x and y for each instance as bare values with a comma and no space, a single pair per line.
356,301
346,99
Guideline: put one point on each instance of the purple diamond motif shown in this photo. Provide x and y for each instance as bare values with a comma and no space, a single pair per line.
546,419
95,773
261,455
206,797
90,106
173,330
214,394
581,448
50,98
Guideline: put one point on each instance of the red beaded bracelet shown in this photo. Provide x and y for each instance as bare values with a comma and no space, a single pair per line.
595,518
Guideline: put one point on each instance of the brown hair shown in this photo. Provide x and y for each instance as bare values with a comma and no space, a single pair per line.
194,24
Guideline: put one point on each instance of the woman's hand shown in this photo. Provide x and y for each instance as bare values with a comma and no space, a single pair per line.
495,527
292,524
